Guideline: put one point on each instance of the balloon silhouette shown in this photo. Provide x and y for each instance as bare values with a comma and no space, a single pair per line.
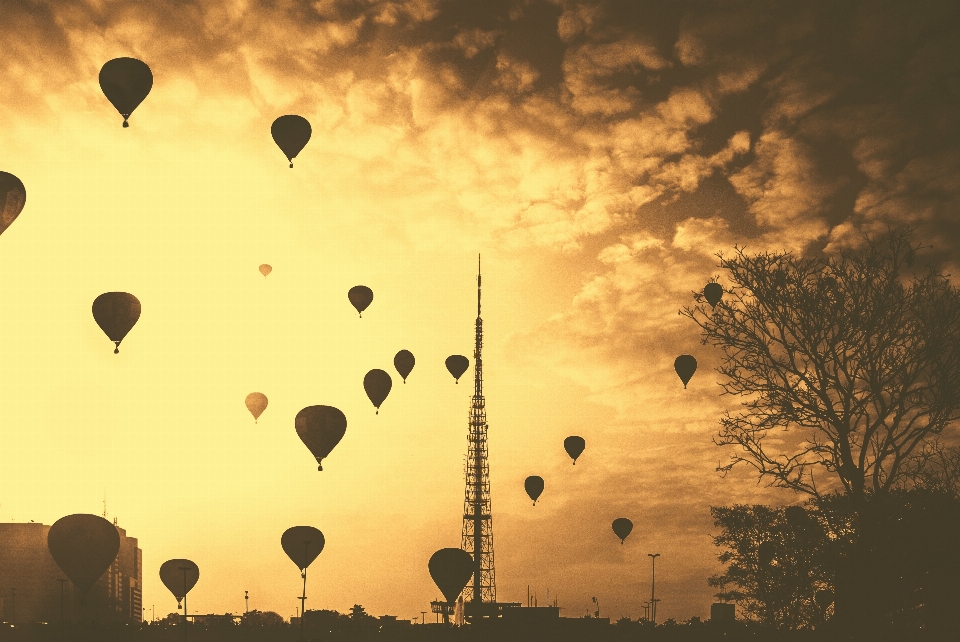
451,569
179,576
83,546
456,365
265,270
685,365
291,134
256,404
116,313
125,82
765,553
13,195
320,428
574,446
360,296
377,384
302,544
713,292
534,486
622,527
403,362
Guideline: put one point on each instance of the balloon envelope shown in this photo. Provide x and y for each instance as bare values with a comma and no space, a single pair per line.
404,362
320,428
534,486
302,544
574,446
377,384
291,133
13,196
685,365
179,576
116,313
622,527
457,364
360,296
265,270
256,404
713,293
451,569
83,546
125,82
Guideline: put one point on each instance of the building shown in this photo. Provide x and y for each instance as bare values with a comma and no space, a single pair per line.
34,589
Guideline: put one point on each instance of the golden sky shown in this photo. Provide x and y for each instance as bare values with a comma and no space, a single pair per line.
597,154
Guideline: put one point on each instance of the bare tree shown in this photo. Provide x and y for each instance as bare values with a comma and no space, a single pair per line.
847,364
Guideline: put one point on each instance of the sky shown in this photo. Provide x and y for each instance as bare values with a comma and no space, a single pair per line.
597,155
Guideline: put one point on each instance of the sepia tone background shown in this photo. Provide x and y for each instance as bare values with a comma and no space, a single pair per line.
597,154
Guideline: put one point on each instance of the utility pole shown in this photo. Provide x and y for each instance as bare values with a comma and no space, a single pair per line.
423,618
653,585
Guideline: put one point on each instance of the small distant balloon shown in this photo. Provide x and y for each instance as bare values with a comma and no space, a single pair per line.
377,384
13,196
125,82
320,429
404,362
256,404
116,313
265,270
360,296
291,134
179,576
713,292
622,527
574,446
457,364
83,546
534,486
765,553
302,544
685,365
451,569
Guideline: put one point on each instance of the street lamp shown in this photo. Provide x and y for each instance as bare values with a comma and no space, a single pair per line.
246,599
653,583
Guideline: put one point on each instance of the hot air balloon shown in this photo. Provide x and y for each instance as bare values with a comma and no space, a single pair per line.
320,428
302,544
291,134
265,270
256,404
179,576
685,365
451,569
574,446
765,553
83,546
622,527
116,313
713,293
403,362
125,82
13,195
377,384
360,296
457,364
534,486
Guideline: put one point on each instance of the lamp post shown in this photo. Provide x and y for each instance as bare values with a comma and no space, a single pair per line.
246,599
423,618
653,584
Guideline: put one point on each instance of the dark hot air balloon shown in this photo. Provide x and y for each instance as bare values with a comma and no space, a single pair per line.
320,428
13,196
116,313
534,486
360,296
403,362
302,544
451,569
125,82
256,404
377,384
291,134
713,292
179,576
265,270
574,446
457,364
685,365
83,546
622,527
765,553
